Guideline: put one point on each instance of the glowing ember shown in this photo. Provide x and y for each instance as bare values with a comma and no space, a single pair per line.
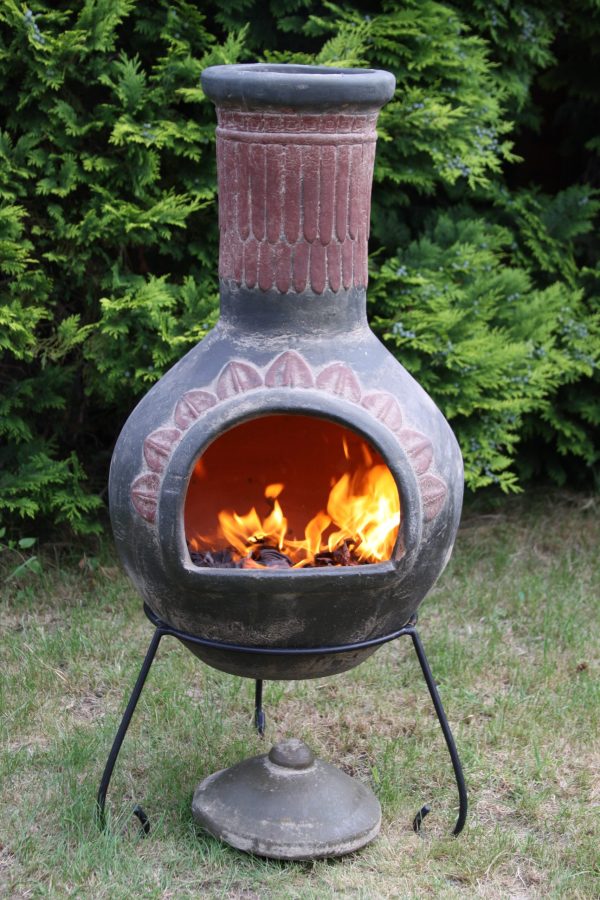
359,525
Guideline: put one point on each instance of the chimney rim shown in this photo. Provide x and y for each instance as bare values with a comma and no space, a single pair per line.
287,85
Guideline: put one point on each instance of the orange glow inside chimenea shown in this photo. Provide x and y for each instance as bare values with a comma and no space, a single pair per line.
295,491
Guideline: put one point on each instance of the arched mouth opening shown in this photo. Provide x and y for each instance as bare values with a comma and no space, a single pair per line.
289,491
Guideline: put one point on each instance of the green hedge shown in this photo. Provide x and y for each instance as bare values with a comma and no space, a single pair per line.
484,271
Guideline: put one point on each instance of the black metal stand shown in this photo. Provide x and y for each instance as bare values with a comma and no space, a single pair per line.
162,629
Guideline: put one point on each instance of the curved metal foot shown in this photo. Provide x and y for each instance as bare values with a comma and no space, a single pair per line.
144,820
122,731
260,720
418,819
448,737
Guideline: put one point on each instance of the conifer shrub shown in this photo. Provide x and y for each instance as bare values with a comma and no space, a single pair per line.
484,272
109,243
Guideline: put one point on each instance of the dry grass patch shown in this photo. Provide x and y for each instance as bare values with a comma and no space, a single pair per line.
512,636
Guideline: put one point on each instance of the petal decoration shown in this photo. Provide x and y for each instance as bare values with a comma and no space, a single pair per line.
340,379
191,406
144,496
433,493
289,370
158,446
236,378
384,407
419,449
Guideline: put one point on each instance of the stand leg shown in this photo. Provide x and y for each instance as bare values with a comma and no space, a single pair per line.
125,721
448,737
259,714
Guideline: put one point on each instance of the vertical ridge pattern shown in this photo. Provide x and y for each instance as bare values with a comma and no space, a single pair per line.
294,199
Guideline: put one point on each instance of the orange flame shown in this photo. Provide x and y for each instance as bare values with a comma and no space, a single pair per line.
363,512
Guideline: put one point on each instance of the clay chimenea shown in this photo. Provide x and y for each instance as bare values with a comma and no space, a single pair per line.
228,478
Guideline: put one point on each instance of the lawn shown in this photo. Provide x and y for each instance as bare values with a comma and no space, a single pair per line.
512,636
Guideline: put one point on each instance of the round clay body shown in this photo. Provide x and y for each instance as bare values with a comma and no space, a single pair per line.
293,339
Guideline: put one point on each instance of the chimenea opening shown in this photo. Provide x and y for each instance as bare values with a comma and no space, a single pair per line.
291,491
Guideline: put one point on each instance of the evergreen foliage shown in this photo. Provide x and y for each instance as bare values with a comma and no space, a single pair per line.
484,271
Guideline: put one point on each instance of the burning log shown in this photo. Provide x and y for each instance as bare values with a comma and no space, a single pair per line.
341,556
213,559
265,557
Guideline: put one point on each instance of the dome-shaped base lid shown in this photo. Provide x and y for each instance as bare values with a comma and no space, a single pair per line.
287,804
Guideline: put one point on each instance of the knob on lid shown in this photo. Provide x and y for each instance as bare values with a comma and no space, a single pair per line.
291,754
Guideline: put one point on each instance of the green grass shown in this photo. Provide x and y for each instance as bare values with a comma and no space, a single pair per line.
511,632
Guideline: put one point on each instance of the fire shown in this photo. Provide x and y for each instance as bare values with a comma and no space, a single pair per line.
244,532
360,520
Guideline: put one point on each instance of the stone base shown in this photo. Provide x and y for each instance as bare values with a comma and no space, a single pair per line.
287,804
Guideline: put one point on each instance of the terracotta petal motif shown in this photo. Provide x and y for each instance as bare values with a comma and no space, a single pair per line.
158,445
289,370
192,405
433,493
340,379
418,448
236,378
144,496
385,408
